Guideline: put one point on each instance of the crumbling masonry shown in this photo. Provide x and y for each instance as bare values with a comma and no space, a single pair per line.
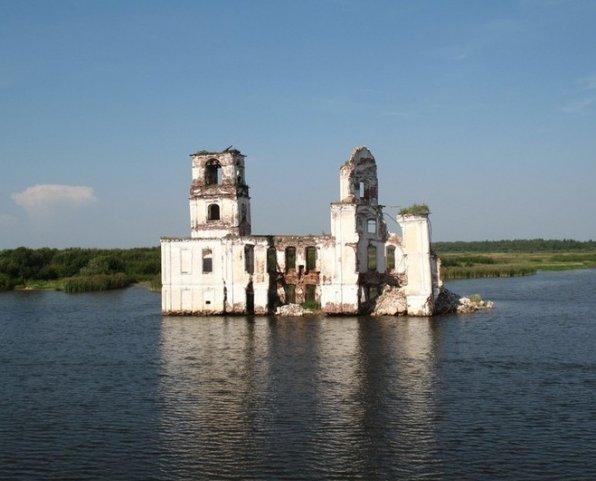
360,268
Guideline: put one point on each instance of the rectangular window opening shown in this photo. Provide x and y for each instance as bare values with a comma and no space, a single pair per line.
390,258
290,293
372,258
207,261
249,258
290,258
311,259
271,259
310,294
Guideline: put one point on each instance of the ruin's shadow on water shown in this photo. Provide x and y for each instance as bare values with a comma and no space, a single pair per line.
101,386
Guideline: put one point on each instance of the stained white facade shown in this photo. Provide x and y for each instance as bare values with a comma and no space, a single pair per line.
223,269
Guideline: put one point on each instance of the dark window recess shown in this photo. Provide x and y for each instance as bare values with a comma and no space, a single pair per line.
311,259
290,258
213,173
207,261
290,293
271,259
310,293
373,293
249,258
372,258
390,258
213,212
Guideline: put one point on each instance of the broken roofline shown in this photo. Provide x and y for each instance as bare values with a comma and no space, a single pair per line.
229,150
255,236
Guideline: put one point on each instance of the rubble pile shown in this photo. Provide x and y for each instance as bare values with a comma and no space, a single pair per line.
391,302
291,310
449,302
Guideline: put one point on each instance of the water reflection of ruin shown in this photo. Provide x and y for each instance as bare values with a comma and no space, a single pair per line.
352,395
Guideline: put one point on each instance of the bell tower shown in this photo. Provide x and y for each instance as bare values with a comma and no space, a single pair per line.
219,200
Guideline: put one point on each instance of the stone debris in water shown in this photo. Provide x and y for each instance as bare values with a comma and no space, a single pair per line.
450,302
291,310
391,302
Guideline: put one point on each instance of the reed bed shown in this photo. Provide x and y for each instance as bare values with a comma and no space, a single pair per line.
98,282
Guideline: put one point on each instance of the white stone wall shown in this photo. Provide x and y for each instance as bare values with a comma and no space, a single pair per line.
416,245
229,211
185,288
342,259
341,294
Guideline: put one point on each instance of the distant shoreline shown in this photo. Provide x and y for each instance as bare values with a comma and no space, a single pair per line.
512,258
75,270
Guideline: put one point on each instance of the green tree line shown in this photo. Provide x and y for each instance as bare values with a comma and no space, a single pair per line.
78,269
515,245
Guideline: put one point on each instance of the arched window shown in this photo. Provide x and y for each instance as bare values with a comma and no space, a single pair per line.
207,261
371,226
213,172
213,212
311,258
390,258
372,257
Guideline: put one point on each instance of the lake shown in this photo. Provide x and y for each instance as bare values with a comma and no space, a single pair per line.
101,386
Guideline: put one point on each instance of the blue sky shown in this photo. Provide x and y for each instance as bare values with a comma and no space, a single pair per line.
484,110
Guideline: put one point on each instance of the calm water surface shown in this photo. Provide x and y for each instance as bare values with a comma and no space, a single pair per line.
100,386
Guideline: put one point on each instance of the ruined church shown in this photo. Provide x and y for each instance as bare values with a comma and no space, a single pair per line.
359,268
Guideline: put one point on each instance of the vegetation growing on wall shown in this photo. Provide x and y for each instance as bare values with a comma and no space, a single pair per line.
415,209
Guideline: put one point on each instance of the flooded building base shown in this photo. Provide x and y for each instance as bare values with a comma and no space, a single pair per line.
359,268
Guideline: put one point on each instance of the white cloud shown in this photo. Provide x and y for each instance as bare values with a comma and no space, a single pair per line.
579,105
45,198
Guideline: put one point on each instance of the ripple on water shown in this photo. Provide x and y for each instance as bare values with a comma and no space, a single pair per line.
100,386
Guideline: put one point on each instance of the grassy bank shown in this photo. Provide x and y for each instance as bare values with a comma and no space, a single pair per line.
464,265
81,270
78,270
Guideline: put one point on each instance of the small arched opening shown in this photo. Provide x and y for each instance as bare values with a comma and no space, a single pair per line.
213,212
213,172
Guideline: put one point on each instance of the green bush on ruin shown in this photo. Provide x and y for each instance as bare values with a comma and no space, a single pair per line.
415,209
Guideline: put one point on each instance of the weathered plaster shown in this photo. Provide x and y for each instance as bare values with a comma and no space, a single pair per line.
350,269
